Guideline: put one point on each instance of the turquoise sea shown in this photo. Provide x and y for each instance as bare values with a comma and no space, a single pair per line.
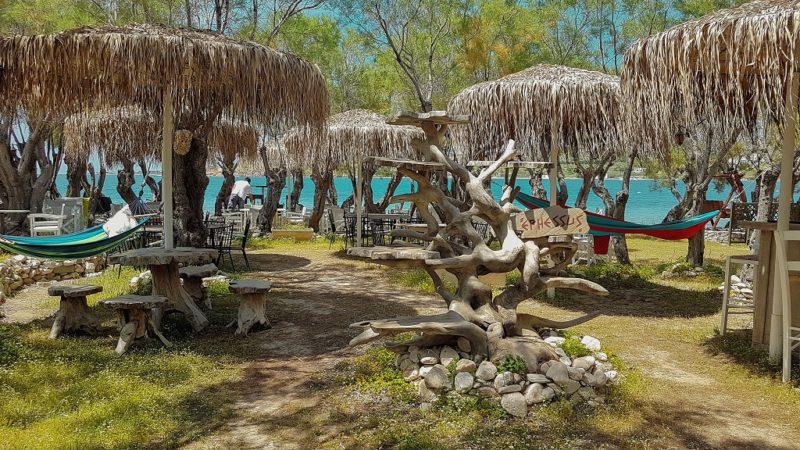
649,201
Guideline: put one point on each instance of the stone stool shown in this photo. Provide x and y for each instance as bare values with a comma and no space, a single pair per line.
193,282
135,318
252,304
73,311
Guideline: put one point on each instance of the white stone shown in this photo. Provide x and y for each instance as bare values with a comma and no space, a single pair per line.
601,356
555,340
425,394
463,382
423,371
560,352
537,378
558,373
571,386
486,371
584,362
589,379
448,355
514,404
533,394
591,343
509,389
503,379
612,375
600,378
438,377
429,360
466,365
565,360
487,392
735,279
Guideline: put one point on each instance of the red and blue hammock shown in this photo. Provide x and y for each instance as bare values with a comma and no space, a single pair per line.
603,227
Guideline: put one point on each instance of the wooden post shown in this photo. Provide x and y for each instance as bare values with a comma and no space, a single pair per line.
551,293
359,176
167,129
784,209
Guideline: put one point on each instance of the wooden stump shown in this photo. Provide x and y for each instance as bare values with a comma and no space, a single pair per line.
73,311
193,282
252,304
135,318
166,283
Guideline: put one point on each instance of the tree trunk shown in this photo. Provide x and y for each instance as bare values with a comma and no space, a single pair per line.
537,187
125,181
76,172
190,182
297,189
150,182
583,193
563,194
276,180
228,166
322,183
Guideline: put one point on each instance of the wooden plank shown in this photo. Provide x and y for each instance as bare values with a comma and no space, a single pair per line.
437,117
552,221
416,166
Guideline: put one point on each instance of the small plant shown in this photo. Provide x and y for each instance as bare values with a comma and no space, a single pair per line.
613,275
573,348
513,364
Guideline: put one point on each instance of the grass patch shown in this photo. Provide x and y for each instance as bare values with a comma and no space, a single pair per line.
418,279
318,243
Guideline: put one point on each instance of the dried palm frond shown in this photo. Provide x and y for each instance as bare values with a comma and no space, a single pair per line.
130,132
580,107
350,137
727,70
90,68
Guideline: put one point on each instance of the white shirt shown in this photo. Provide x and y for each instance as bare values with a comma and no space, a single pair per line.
242,189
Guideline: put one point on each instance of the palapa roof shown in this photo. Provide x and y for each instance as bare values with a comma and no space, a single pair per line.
727,69
582,105
350,137
133,133
89,68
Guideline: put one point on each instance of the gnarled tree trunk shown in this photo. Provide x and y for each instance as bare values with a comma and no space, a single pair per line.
276,181
190,182
226,163
297,189
323,180
126,180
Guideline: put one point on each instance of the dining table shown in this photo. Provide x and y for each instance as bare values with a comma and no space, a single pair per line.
163,264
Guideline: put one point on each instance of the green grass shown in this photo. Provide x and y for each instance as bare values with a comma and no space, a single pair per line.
318,243
74,392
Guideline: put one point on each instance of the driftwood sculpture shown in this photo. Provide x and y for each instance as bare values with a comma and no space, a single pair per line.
489,323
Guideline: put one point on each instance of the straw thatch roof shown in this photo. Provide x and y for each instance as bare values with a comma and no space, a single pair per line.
726,70
133,133
89,68
582,105
350,137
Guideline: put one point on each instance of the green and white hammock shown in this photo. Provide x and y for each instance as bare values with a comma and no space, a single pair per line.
89,242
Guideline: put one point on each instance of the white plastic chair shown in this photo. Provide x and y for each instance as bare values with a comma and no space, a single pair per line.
585,252
44,224
791,334
297,218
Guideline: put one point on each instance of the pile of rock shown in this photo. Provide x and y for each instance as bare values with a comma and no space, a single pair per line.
439,370
740,290
725,236
681,270
20,271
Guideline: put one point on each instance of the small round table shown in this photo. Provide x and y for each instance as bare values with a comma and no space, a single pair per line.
163,265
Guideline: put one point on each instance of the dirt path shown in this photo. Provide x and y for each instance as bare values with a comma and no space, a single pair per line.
690,397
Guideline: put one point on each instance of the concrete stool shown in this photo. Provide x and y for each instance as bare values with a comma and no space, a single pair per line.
252,304
135,318
73,311
193,282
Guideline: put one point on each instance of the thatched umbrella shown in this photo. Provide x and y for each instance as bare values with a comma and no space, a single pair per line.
196,74
349,138
133,133
543,109
729,69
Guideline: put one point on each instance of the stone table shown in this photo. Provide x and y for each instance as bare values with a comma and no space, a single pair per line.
163,265
73,311
193,282
136,318
252,304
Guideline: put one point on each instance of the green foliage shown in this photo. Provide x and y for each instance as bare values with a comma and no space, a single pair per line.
513,364
419,279
572,346
374,373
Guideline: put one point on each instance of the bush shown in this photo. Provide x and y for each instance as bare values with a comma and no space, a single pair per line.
513,364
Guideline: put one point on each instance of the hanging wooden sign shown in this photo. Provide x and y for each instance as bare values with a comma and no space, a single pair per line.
552,221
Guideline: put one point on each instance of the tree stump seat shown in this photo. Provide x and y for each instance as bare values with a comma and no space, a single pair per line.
135,318
252,304
73,311
192,277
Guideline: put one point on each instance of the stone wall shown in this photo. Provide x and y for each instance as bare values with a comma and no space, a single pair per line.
20,271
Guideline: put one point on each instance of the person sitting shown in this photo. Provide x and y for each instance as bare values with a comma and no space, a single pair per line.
239,194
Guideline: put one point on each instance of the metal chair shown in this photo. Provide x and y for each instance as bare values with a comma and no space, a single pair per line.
737,304
224,246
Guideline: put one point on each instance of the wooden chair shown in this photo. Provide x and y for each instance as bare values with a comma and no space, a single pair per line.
46,224
791,334
735,305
